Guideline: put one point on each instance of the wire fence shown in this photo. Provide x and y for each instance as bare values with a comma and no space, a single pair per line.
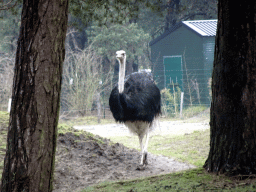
86,90
197,92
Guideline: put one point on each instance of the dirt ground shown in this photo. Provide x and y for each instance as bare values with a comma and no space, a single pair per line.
83,161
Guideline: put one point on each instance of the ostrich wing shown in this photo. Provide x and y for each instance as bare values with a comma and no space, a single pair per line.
139,101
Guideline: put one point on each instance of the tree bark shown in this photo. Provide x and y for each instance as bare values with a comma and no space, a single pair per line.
32,131
129,68
233,117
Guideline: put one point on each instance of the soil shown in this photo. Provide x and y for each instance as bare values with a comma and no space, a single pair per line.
83,160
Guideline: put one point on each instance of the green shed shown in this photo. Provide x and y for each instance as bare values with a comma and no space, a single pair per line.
183,56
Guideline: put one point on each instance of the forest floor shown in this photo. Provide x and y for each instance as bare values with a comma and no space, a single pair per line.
83,160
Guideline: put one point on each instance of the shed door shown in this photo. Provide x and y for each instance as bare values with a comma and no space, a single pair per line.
173,71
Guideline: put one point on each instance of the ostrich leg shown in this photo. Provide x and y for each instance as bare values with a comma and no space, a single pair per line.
141,148
145,153
141,165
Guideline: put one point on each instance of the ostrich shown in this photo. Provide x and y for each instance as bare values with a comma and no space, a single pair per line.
135,101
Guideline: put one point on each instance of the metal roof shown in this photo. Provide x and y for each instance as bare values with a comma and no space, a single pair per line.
202,27
205,28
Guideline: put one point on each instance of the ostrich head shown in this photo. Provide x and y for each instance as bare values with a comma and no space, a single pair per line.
121,57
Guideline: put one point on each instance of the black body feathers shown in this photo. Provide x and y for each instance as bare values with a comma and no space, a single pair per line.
140,100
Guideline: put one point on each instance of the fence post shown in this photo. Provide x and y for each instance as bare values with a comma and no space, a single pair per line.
98,107
181,103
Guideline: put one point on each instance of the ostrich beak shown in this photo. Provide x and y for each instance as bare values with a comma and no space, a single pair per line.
120,55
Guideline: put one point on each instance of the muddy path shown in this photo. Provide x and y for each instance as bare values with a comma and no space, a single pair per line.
83,161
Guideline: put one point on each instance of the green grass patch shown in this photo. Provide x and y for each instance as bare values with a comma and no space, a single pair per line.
91,120
4,118
193,114
66,128
63,128
190,180
87,120
193,110
191,148
4,121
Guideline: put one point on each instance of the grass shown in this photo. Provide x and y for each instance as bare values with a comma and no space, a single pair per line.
191,114
191,148
65,128
191,180
62,129
187,114
181,181
4,120
193,110
87,120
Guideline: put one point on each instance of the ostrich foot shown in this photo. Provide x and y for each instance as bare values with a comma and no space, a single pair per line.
145,160
141,167
144,163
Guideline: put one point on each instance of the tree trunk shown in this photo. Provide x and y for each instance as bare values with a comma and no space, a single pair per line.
32,132
233,117
98,107
129,68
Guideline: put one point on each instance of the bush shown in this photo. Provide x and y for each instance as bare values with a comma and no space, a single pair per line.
170,101
193,110
6,77
82,80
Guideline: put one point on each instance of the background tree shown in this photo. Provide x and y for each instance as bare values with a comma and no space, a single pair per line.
182,10
129,37
105,12
233,117
82,74
6,5
9,24
32,131
7,61
29,161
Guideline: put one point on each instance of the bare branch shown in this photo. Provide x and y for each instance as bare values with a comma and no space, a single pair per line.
8,5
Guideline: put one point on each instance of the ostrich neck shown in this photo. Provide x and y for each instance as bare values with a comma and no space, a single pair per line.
121,76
